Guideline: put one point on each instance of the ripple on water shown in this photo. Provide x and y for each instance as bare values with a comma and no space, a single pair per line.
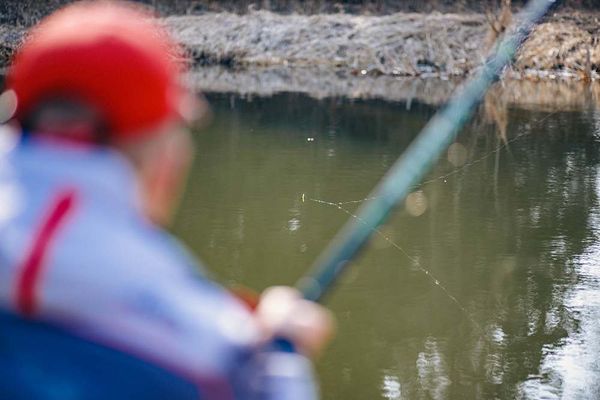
570,369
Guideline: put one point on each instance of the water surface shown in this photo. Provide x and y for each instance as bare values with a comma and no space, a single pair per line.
508,228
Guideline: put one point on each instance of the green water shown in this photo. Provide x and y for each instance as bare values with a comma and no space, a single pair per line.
512,236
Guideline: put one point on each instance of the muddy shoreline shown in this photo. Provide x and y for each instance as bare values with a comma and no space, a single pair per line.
538,95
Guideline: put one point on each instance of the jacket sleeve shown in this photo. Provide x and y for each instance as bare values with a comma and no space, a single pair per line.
264,372
210,314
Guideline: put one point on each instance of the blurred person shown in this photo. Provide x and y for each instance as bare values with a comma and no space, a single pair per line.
96,300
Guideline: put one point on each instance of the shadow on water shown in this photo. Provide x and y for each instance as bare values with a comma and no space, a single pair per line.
509,227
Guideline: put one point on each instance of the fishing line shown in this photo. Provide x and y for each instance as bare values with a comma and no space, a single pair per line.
412,259
462,167
415,262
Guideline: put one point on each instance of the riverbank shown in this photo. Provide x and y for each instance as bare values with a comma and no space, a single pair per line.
396,57
400,44
400,57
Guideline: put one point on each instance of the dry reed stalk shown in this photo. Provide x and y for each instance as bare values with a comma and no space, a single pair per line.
498,23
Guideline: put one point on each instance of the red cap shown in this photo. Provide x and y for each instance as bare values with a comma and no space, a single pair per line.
109,56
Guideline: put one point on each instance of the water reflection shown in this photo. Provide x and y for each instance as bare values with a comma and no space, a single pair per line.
432,373
573,365
509,229
391,388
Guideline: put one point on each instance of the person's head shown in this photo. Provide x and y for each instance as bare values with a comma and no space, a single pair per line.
106,74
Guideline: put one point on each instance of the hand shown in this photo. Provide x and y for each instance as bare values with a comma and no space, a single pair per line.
282,312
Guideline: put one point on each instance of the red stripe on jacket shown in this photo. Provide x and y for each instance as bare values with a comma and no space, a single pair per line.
33,264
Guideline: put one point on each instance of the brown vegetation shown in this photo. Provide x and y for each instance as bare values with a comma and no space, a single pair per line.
562,47
399,44
368,55
402,44
498,22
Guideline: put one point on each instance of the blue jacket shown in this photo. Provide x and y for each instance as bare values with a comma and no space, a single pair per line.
97,303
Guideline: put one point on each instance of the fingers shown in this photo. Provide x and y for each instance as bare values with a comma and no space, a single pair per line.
283,312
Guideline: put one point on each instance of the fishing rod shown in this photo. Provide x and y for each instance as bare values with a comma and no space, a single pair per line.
418,158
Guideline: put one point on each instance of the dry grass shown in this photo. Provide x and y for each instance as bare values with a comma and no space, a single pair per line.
402,44
27,12
399,44
363,55
561,47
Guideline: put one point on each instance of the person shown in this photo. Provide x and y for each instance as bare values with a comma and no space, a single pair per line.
97,301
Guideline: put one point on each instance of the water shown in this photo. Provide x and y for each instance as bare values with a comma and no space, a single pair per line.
509,232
